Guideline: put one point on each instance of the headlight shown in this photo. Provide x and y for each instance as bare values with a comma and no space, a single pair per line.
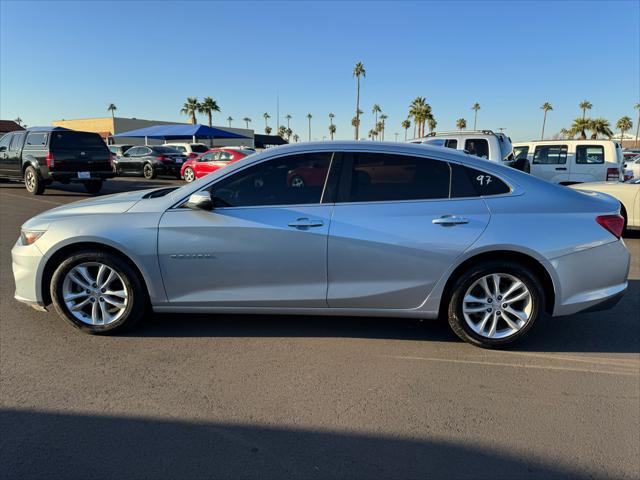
27,237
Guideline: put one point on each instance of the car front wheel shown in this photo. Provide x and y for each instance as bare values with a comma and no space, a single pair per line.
189,175
494,304
98,292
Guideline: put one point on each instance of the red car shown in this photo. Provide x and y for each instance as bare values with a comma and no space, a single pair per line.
211,161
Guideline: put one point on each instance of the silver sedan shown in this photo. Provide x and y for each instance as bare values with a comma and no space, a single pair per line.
336,228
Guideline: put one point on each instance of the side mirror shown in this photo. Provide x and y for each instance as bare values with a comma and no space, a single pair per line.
200,201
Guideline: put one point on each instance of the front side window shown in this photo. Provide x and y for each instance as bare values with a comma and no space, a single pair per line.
478,147
207,157
589,154
16,142
36,140
5,141
132,152
386,177
520,153
550,155
290,180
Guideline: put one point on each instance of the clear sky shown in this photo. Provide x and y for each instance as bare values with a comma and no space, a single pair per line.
71,59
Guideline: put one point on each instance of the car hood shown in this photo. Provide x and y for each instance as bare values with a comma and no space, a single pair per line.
106,204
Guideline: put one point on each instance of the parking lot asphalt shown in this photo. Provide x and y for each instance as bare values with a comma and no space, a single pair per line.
221,396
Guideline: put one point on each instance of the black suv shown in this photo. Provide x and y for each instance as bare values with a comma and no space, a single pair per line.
42,155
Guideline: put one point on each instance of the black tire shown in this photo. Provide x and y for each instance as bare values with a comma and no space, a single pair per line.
149,172
456,318
32,181
136,303
93,187
189,175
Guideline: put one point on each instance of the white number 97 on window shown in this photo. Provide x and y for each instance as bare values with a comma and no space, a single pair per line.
484,179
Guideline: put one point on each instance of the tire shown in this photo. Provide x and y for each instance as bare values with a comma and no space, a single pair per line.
33,182
93,187
470,284
189,175
149,172
131,309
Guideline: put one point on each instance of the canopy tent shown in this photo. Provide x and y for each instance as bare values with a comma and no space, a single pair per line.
174,132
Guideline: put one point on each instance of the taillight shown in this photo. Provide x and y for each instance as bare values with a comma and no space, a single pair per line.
162,158
111,162
613,174
50,161
612,223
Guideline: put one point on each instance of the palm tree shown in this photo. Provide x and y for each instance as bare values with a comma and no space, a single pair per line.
331,117
637,107
579,126
383,117
267,130
190,108
372,134
112,108
461,124
623,125
546,106
282,131
289,132
600,126
309,117
475,108
358,71
406,124
566,134
432,124
296,137
208,106
229,119
375,110
416,110
246,120
288,117
18,121
584,106
355,122
266,117
332,130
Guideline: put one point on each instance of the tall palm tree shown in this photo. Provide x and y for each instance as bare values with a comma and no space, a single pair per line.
18,121
383,117
289,132
266,117
208,106
546,106
246,120
112,108
190,108
372,134
579,126
475,108
375,110
406,124
600,126
416,110
267,130
331,117
637,107
623,125
309,117
355,122
332,130
229,119
461,124
282,131
358,71
288,117
584,106
296,137
565,134
432,124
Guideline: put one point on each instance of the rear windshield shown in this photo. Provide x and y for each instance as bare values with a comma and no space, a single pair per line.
166,150
197,148
77,140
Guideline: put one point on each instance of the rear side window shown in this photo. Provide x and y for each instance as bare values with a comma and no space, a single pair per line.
77,140
36,140
5,141
478,147
550,155
180,148
197,148
451,143
387,177
461,184
520,153
486,183
589,154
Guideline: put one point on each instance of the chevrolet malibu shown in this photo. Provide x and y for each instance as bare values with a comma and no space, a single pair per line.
392,230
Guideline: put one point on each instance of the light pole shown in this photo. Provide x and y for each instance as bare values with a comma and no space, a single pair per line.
396,135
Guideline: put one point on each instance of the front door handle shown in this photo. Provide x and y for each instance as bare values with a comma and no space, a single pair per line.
561,168
447,220
306,223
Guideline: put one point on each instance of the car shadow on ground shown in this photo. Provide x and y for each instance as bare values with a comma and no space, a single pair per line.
77,190
613,331
56,445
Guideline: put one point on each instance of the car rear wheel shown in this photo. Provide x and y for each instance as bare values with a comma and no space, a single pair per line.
494,304
189,175
98,292
32,181
93,187
149,172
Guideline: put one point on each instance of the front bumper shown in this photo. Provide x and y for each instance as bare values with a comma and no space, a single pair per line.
26,261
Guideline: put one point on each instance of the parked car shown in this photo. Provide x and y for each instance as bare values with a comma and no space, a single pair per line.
495,147
629,153
211,161
190,150
40,156
573,161
627,193
150,161
488,247
633,165
118,149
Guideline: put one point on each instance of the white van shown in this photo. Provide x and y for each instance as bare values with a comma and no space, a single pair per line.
572,161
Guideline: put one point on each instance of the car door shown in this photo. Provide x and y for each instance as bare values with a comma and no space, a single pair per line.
142,156
14,155
204,165
588,164
392,237
5,141
550,163
126,163
264,244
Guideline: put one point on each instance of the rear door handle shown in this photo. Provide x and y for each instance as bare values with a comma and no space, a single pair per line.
306,223
561,168
447,220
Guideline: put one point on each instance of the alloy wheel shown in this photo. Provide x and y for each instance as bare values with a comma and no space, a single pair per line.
189,175
30,180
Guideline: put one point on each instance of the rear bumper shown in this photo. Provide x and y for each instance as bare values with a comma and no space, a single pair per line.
72,177
168,169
